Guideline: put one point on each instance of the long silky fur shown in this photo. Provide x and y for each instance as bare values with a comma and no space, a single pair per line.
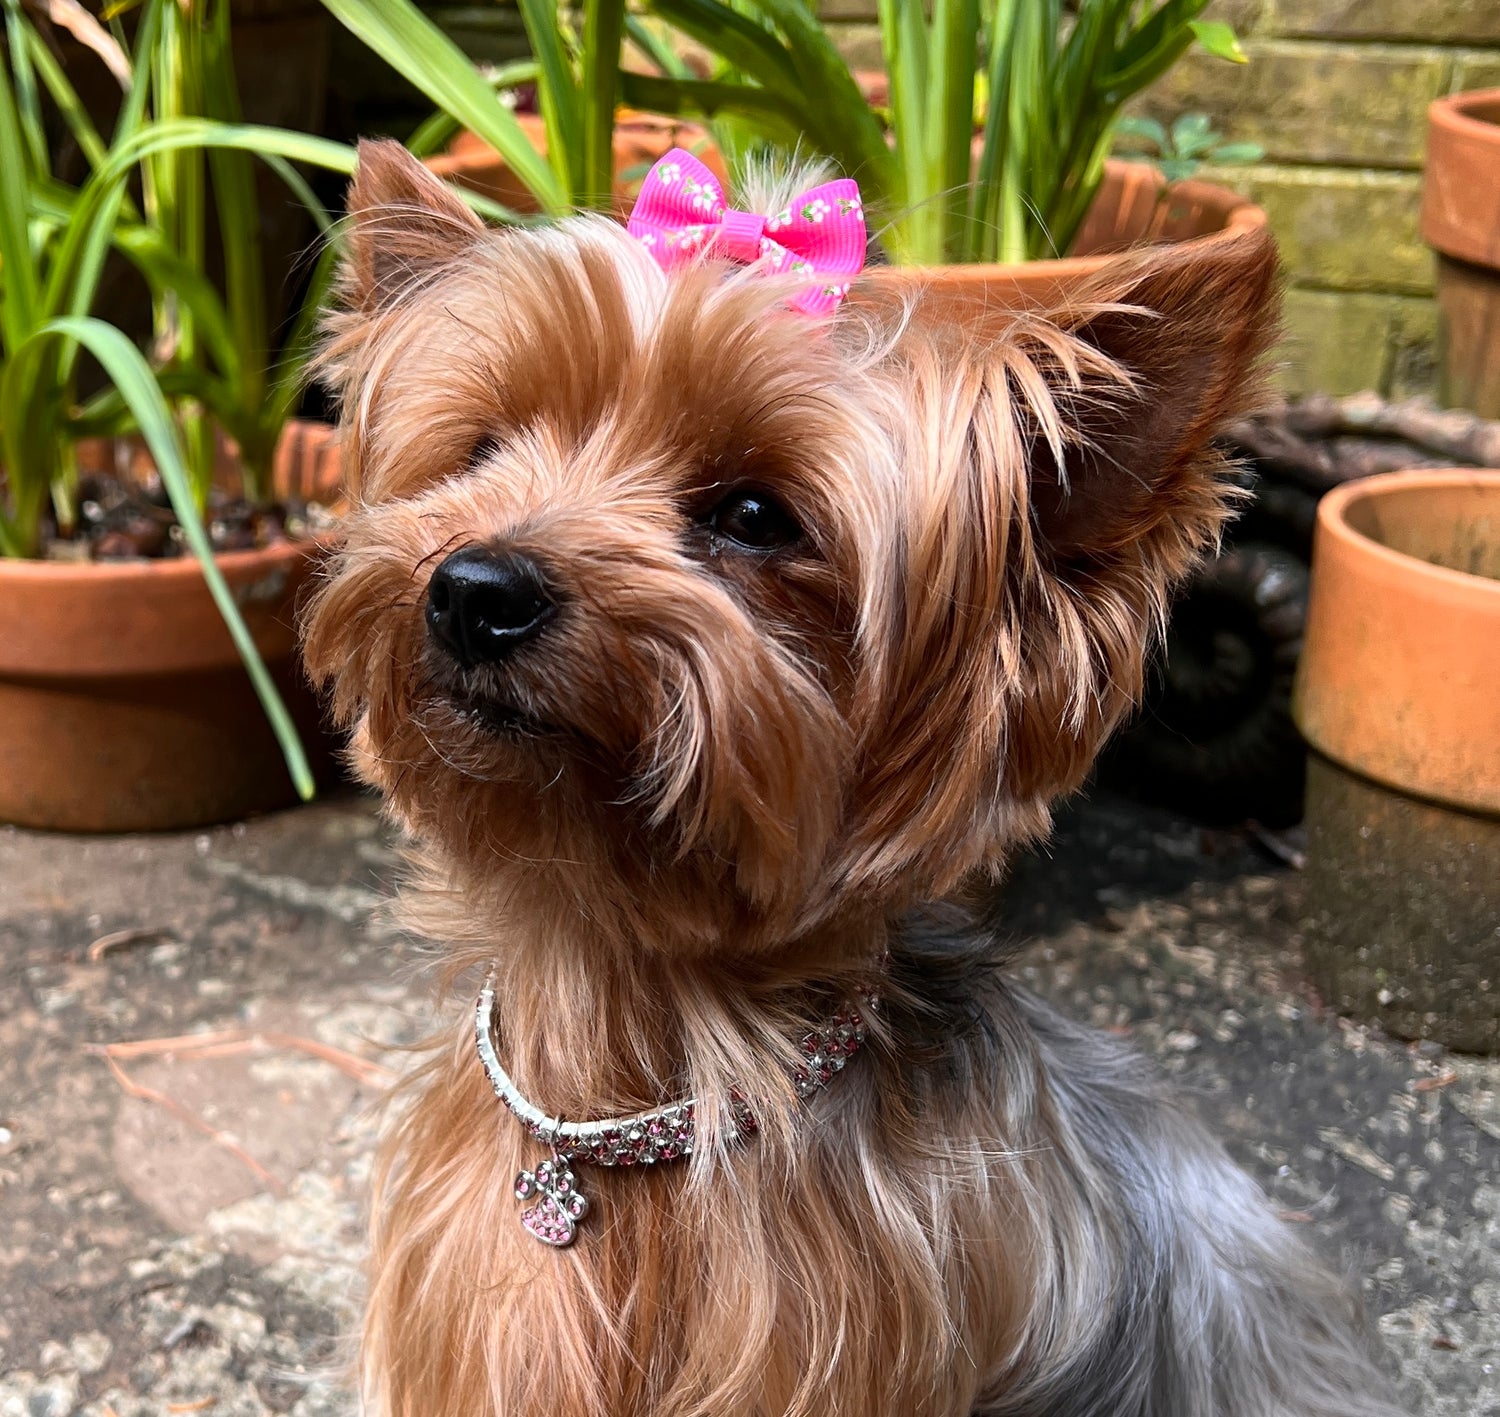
730,789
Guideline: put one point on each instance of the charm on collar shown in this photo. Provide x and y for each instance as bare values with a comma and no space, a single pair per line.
560,1205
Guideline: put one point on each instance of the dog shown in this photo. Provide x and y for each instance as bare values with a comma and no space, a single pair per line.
715,655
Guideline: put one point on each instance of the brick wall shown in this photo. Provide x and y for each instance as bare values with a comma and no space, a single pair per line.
1336,93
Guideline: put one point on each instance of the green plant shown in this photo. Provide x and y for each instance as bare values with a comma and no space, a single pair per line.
51,263
1179,151
1054,79
576,72
210,367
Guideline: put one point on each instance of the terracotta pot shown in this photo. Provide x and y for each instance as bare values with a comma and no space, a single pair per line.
1398,692
1134,207
123,703
640,138
1461,222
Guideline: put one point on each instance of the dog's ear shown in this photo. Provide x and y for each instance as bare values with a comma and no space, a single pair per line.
404,224
1060,478
1184,331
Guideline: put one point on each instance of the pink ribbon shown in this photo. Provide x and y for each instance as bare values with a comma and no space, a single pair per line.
681,213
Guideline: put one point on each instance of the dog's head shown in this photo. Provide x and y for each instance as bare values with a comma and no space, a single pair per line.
713,618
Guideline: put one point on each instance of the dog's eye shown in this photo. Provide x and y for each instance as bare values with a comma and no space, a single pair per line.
483,450
754,519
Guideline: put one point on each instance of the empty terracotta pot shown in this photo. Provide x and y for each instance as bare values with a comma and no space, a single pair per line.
123,702
1461,222
1398,693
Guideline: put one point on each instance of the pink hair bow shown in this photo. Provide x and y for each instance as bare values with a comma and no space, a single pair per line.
681,213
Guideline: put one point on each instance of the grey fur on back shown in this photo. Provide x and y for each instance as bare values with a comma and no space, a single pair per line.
1201,1302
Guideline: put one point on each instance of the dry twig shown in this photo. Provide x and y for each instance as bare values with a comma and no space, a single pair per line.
120,939
186,1115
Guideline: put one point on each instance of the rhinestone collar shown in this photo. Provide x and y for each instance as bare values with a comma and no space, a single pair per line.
643,1138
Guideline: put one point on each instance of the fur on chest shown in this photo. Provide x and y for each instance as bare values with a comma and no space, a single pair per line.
860,1272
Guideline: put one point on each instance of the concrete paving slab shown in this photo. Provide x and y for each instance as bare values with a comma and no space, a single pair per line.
150,1268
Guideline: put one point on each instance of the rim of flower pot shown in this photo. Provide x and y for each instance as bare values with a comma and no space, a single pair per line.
1034,283
1475,113
1460,211
105,619
1333,520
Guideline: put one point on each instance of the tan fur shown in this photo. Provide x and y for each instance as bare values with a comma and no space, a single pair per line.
739,773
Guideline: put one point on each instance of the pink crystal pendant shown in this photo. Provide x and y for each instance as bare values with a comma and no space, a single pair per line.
559,1204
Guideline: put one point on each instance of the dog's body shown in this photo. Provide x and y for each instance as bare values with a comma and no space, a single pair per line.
700,645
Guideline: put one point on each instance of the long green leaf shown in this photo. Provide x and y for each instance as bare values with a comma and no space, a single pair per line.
132,376
289,375
904,35
558,93
433,133
846,128
702,98
603,34
421,53
28,99
739,41
19,292
1154,47
653,43
65,97
161,265
952,61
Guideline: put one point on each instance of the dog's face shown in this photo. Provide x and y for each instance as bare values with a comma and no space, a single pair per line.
712,619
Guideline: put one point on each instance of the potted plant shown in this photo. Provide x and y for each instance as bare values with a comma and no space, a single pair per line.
1398,694
1461,222
576,148
124,697
1030,207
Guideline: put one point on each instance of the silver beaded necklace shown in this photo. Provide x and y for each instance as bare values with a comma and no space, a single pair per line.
556,1205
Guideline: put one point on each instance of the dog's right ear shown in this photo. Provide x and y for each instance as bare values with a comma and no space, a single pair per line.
404,225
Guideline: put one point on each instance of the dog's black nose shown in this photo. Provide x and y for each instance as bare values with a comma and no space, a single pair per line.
482,604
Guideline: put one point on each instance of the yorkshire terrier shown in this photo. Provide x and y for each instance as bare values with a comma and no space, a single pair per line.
716,639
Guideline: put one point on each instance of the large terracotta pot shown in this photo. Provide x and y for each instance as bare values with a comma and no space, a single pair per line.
123,703
1135,206
1461,222
639,139
1398,693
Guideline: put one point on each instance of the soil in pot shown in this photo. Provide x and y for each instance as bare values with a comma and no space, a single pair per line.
124,513
123,702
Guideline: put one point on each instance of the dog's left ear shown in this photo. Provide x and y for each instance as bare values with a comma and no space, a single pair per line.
404,224
1061,477
1188,330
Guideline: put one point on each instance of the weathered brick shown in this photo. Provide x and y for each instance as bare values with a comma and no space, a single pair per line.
1476,70
1411,367
1361,105
859,44
1342,343
1429,21
1348,229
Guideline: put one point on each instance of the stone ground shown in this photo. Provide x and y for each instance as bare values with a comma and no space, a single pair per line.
148,1267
